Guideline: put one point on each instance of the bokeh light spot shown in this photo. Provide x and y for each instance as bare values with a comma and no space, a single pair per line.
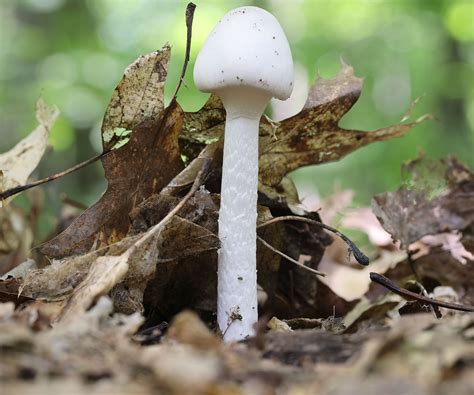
62,135
459,20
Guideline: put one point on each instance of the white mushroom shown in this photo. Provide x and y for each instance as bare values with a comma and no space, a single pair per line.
246,60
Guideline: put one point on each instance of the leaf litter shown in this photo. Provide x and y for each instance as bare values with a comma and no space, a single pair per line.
111,312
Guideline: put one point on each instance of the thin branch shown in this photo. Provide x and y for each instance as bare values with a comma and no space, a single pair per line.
358,254
409,295
191,7
289,258
16,190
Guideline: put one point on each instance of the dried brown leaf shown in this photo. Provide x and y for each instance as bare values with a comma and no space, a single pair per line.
138,96
313,136
135,171
437,197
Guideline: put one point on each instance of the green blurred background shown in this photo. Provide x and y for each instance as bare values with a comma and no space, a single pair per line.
73,53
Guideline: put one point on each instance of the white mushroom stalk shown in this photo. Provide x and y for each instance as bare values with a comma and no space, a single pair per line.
246,60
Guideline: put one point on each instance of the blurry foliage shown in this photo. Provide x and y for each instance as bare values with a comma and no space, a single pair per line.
73,54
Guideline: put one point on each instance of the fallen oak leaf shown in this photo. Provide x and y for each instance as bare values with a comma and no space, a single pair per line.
133,101
177,239
313,136
143,166
137,100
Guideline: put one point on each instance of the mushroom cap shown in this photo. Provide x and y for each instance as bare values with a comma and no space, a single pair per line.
247,48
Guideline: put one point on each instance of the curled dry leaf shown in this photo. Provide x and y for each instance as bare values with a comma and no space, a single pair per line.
169,362
135,171
437,197
17,164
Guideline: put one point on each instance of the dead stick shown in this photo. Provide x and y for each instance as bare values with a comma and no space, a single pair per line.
358,254
409,295
191,7
289,258
15,190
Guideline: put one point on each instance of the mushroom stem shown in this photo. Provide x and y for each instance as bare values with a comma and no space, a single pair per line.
237,274
246,60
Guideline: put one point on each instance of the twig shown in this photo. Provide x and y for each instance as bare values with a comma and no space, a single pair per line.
358,254
191,7
289,258
409,295
15,190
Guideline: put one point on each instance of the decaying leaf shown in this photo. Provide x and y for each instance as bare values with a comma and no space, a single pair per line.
136,170
138,96
313,136
437,197
17,164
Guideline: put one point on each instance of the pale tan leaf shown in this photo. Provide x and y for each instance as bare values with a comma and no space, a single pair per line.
105,272
17,164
